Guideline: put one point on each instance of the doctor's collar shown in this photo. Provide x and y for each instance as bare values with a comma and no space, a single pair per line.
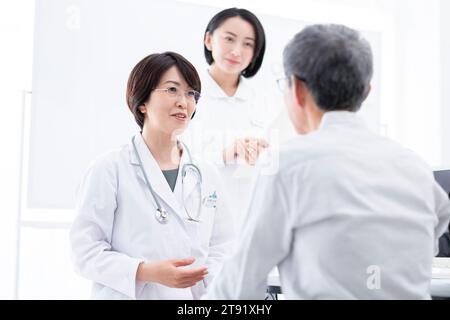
211,88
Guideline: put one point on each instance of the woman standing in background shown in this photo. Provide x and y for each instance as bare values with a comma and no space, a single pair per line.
232,117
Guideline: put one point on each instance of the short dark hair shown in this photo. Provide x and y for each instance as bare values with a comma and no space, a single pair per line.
148,72
260,43
336,64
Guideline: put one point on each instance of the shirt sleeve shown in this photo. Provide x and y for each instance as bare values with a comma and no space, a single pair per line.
91,232
265,241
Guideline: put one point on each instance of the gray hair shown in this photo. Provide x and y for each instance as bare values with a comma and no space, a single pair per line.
335,63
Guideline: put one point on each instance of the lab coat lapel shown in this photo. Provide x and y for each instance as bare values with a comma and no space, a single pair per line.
154,174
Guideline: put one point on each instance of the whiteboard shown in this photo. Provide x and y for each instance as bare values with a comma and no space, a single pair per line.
84,52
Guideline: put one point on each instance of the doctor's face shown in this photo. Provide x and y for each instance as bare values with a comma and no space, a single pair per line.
232,45
171,104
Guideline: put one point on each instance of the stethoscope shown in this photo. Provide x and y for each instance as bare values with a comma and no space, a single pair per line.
161,214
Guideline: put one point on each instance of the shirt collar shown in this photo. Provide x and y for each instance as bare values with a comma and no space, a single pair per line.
212,89
348,118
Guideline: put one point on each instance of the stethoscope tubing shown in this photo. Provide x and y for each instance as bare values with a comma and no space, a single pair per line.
161,213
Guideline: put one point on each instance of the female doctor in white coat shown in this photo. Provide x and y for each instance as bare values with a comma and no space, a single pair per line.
152,222
231,122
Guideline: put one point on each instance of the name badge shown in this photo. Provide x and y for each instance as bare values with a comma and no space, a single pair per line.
210,201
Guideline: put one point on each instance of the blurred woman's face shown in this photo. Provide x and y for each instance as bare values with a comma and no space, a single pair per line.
232,45
170,106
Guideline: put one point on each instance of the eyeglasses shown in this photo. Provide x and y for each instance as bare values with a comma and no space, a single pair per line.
174,92
284,83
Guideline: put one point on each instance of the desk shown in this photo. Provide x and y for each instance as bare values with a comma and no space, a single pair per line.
439,287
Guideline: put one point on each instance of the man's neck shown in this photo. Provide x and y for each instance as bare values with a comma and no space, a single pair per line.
314,117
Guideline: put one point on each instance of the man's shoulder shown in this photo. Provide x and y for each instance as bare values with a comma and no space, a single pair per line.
303,148
322,147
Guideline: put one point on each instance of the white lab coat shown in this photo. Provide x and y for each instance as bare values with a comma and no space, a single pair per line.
219,121
348,215
115,228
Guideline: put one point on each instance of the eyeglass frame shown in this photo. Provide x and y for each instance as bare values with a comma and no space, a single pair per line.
285,82
178,94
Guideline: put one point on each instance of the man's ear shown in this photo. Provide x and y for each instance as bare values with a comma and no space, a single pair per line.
366,94
299,91
208,41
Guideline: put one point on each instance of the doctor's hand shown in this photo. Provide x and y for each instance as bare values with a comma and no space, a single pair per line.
254,147
170,273
247,149
234,151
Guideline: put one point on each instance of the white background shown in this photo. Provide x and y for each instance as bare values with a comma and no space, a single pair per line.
414,105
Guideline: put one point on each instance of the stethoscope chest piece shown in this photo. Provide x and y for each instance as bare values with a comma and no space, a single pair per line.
161,215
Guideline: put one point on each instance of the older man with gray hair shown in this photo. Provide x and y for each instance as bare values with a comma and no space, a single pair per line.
349,214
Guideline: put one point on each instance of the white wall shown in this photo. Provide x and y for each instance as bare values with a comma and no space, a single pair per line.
16,21
419,71
445,80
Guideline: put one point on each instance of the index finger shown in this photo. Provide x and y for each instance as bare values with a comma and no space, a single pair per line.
263,143
194,272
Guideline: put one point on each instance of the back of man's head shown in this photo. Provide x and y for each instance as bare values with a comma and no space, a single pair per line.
335,63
